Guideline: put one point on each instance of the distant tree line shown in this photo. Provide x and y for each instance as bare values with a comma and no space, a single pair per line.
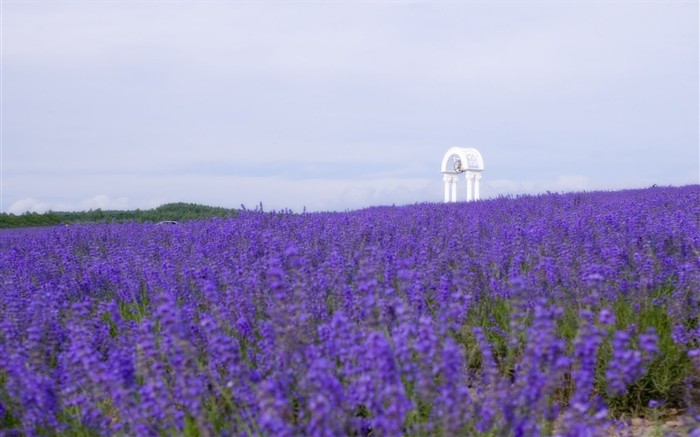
168,212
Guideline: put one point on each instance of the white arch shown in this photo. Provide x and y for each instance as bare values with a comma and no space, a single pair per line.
459,160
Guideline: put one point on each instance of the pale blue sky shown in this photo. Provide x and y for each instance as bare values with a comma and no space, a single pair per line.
340,105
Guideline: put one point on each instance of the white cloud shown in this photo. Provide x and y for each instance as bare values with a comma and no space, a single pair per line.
102,201
572,183
29,204
496,187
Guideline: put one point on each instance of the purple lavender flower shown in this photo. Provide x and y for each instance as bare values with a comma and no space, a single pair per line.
326,415
606,317
625,365
451,406
648,343
361,322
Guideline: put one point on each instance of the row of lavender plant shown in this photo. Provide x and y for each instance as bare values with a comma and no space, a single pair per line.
552,314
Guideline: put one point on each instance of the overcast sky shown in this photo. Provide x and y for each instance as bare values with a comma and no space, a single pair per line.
343,105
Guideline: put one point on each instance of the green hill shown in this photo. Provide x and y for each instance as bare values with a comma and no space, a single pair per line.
169,212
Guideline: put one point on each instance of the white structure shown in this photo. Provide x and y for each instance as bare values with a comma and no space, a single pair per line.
461,160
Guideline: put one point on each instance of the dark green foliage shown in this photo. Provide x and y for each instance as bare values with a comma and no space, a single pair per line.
29,219
168,212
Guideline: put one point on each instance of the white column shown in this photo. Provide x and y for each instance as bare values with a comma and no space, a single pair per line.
453,180
469,176
477,176
446,179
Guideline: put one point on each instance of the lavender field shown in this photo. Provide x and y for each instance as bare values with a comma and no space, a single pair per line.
559,314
